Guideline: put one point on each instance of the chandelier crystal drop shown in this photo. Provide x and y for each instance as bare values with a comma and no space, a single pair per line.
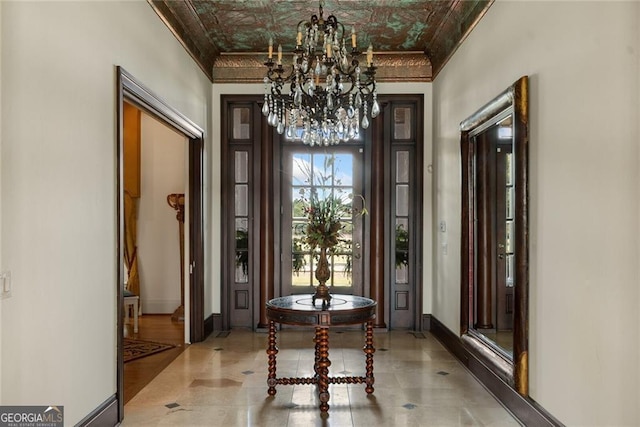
324,97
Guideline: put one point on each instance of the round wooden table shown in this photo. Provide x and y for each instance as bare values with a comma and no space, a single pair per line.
300,310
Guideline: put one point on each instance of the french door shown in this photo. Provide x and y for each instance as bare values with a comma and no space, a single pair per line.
264,179
336,172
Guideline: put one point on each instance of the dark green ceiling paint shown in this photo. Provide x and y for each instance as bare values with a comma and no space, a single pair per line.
209,28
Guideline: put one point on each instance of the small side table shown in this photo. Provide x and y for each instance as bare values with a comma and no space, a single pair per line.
299,310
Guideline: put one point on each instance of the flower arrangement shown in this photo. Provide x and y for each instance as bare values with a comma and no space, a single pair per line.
326,210
324,220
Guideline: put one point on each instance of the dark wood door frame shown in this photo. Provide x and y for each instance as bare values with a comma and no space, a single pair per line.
132,91
261,216
382,207
266,211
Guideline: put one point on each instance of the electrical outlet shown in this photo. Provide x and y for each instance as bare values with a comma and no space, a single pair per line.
443,226
5,284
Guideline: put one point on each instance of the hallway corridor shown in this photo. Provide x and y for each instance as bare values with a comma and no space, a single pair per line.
222,382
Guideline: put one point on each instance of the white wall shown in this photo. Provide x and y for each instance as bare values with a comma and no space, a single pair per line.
162,173
59,186
383,88
582,59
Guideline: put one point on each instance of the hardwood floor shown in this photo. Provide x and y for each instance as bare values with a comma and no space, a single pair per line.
151,327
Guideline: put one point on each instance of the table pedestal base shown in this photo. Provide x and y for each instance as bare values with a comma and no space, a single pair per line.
321,365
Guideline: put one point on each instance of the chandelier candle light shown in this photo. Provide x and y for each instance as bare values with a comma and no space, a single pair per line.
330,97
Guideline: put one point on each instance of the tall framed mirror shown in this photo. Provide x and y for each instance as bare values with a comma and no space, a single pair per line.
495,247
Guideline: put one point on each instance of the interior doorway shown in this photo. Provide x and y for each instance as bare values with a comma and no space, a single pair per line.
132,92
155,181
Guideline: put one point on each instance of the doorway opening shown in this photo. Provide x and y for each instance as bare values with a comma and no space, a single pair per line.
154,185
132,93
262,223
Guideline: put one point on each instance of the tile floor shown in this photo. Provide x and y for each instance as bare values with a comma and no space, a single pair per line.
222,382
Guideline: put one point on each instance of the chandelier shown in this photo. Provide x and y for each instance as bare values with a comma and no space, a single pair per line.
324,97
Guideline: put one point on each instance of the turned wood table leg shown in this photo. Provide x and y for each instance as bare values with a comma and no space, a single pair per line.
316,341
272,350
369,350
322,338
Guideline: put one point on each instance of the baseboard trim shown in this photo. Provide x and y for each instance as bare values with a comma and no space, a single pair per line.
216,322
525,409
208,326
426,322
105,415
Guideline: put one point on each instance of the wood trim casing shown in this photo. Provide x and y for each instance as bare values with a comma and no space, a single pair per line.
130,90
142,97
196,239
224,216
262,215
268,203
119,396
419,207
267,236
377,244
383,145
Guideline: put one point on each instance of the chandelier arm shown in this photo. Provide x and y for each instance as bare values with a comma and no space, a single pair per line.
279,71
341,27
323,98
345,93
319,101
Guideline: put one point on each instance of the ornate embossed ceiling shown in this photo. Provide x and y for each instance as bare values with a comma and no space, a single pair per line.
412,39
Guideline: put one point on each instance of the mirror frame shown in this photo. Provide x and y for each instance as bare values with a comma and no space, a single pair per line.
515,370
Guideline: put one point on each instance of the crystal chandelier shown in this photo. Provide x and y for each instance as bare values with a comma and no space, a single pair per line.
329,95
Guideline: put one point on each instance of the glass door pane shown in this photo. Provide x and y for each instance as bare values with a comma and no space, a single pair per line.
327,177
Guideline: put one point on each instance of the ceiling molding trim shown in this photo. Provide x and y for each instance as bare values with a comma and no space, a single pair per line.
392,67
203,60
478,11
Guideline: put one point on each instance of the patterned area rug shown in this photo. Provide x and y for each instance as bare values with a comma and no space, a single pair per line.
135,349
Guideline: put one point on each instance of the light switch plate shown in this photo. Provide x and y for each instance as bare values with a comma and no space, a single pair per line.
5,284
